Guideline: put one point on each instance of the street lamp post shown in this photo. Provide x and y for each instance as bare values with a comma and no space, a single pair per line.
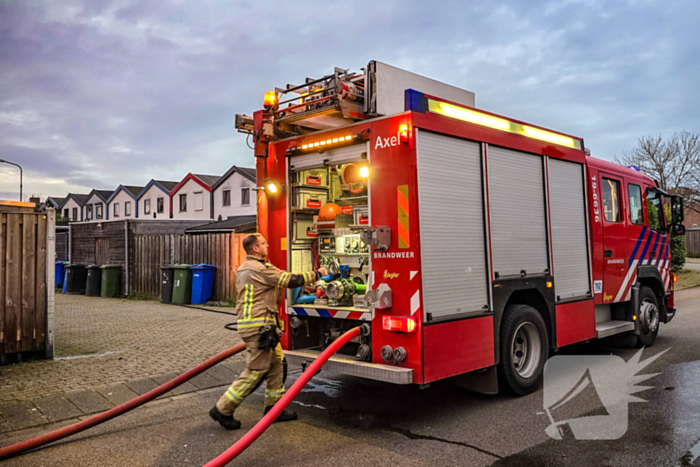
20,175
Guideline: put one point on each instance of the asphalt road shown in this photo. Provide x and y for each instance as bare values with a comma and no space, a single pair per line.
349,422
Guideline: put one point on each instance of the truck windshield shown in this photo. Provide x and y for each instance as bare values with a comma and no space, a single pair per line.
655,211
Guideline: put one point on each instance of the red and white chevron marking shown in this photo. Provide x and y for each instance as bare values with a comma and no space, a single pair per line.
329,313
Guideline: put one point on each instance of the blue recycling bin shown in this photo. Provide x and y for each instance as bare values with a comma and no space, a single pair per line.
65,276
202,282
60,272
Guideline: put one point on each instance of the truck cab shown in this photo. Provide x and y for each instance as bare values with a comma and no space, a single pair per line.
631,245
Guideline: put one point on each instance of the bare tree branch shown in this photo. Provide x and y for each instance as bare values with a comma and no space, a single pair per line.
674,163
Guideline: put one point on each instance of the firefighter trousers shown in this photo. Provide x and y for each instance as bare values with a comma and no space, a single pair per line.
262,365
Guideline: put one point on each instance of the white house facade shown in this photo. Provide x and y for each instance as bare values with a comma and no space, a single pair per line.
95,207
72,208
123,204
191,199
154,200
233,194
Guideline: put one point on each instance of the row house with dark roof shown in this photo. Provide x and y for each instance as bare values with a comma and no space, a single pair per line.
191,198
233,194
72,207
122,204
154,200
53,202
95,206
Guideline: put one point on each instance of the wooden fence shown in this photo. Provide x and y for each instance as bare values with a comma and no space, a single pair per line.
150,252
23,280
692,242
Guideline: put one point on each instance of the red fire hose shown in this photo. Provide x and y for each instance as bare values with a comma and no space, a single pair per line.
120,409
255,432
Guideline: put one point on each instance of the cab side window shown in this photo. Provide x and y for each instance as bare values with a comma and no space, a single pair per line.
636,211
655,211
611,200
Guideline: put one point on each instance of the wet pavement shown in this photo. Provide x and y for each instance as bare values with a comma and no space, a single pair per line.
349,421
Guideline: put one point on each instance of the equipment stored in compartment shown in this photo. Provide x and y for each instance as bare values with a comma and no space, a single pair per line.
310,198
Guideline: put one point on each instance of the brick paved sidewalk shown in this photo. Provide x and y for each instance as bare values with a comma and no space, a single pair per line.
111,350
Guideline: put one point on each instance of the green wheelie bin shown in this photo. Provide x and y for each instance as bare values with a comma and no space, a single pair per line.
182,284
111,280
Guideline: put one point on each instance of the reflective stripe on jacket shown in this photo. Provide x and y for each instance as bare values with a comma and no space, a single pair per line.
260,286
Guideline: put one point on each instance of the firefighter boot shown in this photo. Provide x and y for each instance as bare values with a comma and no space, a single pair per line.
227,421
285,416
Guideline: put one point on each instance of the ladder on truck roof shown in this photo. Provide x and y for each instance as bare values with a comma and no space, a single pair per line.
321,104
325,103
344,97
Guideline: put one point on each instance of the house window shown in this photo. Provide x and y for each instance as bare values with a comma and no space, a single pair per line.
127,208
88,212
65,213
75,214
611,200
98,210
636,213
183,203
161,205
116,209
198,201
245,196
146,206
227,197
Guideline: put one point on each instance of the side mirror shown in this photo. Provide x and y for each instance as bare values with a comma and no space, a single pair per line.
677,215
678,229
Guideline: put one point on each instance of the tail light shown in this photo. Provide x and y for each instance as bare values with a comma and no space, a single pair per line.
398,323
403,133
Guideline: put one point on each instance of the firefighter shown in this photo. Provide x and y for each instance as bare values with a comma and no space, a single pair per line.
260,286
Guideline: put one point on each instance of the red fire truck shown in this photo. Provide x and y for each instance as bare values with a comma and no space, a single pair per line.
474,245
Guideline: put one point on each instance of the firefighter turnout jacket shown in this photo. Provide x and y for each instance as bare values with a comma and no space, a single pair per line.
260,286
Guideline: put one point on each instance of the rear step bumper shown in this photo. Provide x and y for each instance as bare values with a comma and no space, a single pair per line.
612,327
347,365
670,313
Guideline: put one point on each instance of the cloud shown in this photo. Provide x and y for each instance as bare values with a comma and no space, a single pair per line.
102,93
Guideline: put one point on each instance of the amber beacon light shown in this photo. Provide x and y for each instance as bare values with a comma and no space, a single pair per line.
270,100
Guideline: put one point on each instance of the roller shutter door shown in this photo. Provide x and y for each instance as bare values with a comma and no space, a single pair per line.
451,208
331,157
569,239
517,210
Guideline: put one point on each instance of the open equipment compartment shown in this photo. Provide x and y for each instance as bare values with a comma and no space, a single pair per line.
329,205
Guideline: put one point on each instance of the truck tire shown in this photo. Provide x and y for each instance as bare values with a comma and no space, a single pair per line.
648,317
524,349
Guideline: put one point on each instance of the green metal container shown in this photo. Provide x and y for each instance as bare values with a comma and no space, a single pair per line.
182,284
111,280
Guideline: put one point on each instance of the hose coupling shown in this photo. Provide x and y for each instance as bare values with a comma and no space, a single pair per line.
366,329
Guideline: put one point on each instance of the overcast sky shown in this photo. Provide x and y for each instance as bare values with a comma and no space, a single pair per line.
98,93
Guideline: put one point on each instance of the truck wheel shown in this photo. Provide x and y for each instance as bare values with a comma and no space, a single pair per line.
648,317
524,350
